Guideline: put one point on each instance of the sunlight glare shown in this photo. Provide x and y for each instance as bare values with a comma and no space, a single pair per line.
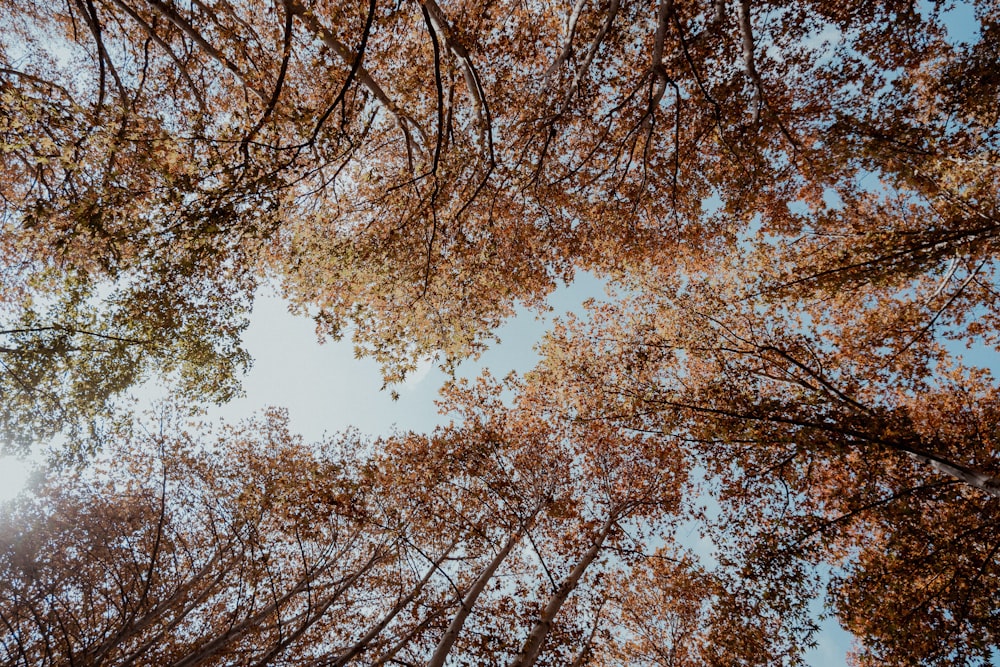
14,473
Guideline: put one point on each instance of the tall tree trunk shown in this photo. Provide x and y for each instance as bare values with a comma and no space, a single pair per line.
377,629
533,644
451,634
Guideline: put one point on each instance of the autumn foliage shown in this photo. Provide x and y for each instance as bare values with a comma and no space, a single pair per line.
795,208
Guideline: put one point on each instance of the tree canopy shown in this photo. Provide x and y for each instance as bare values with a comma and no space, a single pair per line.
794,203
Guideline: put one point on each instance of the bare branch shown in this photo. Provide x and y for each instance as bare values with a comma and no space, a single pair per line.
567,49
473,83
148,29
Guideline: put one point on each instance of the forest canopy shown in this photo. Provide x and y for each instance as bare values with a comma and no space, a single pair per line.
794,203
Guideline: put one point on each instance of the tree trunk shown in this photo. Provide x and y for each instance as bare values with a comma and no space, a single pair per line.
533,644
451,634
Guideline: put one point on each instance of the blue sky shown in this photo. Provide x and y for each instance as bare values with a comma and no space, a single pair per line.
326,389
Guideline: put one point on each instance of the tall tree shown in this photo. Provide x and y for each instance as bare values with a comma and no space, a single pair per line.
798,201
485,541
819,448
394,164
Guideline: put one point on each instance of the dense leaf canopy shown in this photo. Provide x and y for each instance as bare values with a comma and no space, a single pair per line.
797,203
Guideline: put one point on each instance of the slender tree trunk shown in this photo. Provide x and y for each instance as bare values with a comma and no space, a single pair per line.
406,639
377,629
982,481
533,644
451,634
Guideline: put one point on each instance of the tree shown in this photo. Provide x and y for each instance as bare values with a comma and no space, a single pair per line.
394,164
669,612
796,200
104,281
68,351
819,449
253,547
176,556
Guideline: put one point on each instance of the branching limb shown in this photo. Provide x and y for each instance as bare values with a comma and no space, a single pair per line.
567,48
595,45
151,32
105,65
529,652
362,644
286,53
185,26
405,122
718,12
441,25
